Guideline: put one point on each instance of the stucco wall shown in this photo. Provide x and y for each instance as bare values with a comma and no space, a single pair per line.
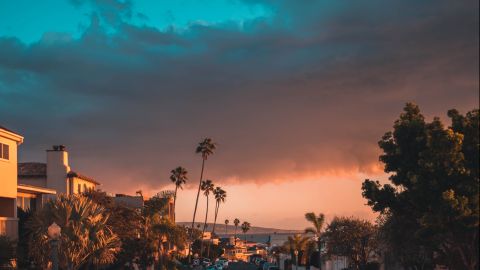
83,184
8,170
57,169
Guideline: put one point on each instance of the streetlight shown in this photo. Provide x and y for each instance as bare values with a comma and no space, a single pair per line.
54,232
274,258
296,259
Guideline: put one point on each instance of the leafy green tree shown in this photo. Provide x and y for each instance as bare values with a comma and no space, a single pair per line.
159,232
434,192
353,238
86,241
179,178
125,222
205,148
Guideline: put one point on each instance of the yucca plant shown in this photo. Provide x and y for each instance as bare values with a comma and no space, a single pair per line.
86,240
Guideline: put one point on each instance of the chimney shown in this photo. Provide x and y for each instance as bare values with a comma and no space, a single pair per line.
57,168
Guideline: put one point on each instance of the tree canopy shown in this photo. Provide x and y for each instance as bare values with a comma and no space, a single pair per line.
433,197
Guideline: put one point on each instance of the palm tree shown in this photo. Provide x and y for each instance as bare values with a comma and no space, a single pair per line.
220,196
179,178
226,225
316,229
245,229
299,243
207,187
205,148
236,221
86,241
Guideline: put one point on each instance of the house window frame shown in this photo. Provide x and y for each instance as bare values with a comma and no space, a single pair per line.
4,157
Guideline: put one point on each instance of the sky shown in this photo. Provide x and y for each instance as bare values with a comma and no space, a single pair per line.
296,93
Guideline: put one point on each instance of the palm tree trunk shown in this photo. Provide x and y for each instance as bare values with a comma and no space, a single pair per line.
195,211
175,204
217,206
204,227
235,235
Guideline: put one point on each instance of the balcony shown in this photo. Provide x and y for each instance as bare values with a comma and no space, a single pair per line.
9,227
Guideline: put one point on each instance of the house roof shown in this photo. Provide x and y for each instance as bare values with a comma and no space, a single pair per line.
32,169
38,169
9,130
10,134
83,177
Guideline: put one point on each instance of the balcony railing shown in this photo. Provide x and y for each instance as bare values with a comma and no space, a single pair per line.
9,227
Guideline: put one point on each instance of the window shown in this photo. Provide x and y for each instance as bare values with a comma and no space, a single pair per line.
26,203
79,188
4,151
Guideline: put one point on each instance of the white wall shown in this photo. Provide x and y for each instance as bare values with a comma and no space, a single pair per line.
57,169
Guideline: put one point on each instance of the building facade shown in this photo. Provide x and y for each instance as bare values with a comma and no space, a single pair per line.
12,193
55,174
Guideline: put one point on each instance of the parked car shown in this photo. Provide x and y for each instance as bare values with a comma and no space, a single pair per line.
273,267
206,262
265,266
211,267
260,264
223,261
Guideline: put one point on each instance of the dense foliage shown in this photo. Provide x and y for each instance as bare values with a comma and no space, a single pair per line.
353,238
86,238
431,207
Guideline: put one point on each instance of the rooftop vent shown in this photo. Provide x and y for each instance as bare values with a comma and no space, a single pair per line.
60,147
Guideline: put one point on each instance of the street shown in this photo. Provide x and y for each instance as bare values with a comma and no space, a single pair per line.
241,266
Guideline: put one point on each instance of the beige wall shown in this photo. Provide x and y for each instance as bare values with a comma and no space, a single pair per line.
84,185
57,169
8,168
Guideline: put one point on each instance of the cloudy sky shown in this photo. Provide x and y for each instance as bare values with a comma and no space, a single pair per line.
295,93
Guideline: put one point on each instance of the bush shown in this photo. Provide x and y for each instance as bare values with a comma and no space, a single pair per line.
7,251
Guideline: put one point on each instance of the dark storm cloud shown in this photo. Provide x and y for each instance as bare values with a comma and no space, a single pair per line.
305,93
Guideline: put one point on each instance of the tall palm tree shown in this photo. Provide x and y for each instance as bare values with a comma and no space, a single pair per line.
236,221
226,225
207,187
245,228
205,148
316,229
179,178
220,196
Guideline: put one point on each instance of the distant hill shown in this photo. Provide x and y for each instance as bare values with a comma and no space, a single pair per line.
220,229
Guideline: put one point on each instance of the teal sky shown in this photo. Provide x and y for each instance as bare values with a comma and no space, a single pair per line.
29,20
296,93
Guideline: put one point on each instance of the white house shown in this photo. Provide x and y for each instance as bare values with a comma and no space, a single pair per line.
56,174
